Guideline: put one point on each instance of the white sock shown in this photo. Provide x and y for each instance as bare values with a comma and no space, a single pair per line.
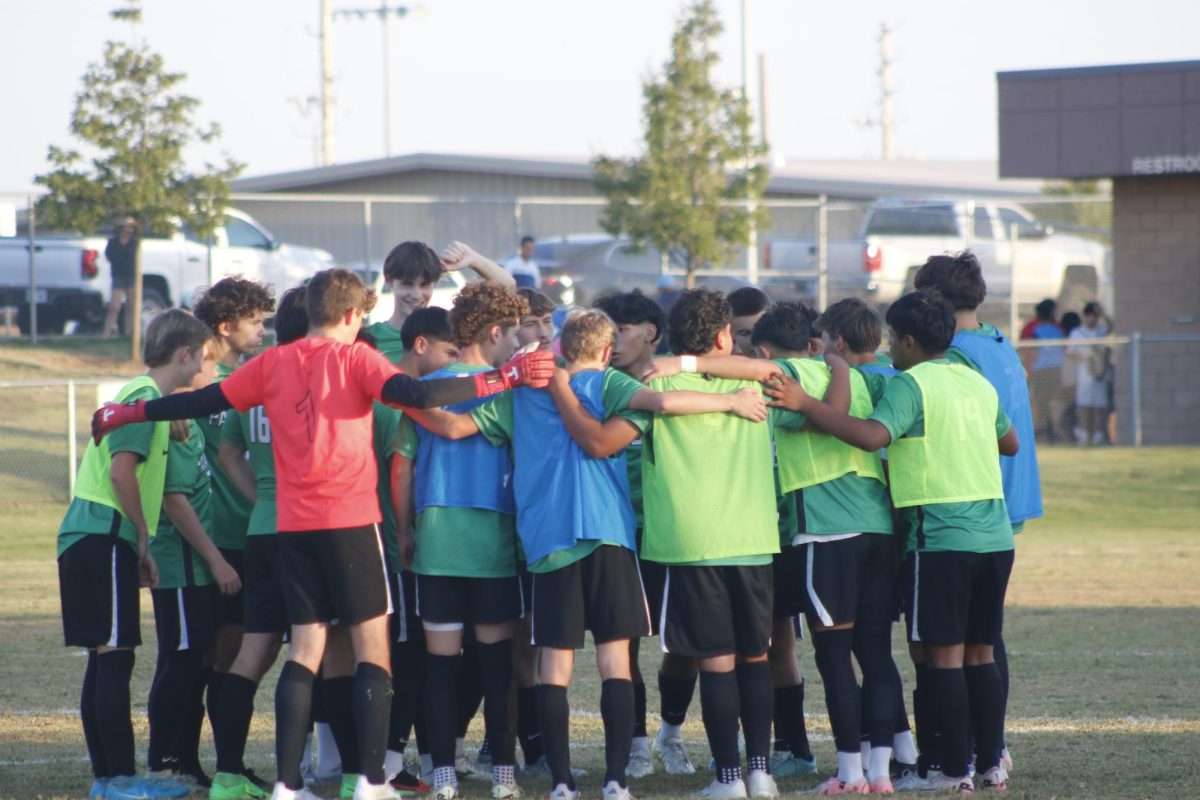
329,761
881,758
849,767
666,730
864,750
393,764
904,747
640,743
504,775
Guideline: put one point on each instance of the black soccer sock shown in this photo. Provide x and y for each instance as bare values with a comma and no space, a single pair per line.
372,710
881,691
170,697
616,710
87,714
842,697
985,689
114,670
317,709
720,709
675,695
639,710
408,678
496,661
756,696
902,723
441,707
215,681
527,724
1000,655
554,717
948,699
235,713
186,749
470,689
293,704
791,734
925,715
337,695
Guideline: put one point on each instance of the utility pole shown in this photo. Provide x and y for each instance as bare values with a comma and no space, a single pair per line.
751,206
383,12
326,83
886,118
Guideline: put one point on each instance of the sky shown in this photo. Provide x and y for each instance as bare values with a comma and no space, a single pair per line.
564,77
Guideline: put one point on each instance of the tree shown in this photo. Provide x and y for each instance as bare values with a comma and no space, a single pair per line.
136,127
689,191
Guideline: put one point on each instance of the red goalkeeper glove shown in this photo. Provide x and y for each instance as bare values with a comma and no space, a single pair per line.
524,369
115,415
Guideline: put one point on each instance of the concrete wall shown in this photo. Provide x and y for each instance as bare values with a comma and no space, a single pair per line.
1156,260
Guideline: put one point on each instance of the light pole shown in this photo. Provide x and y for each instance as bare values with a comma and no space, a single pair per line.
383,13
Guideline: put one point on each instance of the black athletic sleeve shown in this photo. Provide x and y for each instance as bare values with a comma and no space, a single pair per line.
188,405
402,390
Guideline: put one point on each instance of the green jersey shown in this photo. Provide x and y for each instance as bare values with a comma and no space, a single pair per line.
251,433
231,509
178,563
387,340
979,526
94,509
384,424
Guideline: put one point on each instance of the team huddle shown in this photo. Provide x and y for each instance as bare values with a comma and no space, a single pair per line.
433,510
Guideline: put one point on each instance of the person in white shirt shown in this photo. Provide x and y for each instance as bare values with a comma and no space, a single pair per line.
523,268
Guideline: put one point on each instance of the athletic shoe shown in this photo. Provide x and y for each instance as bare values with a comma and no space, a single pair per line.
191,774
349,782
615,791
231,786
944,783
365,790
641,763
785,764
252,776
564,792
282,792
723,791
882,785
898,769
505,791
307,773
447,792
909,780
541,769
466,767
1006,760
98,790
994,780
673,755
759,783
833,787
408,785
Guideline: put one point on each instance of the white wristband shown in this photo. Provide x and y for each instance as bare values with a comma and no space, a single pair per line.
687,364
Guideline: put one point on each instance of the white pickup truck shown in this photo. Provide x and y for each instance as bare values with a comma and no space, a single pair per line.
74,280
897,236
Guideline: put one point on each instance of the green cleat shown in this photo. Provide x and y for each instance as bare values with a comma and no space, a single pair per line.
232,786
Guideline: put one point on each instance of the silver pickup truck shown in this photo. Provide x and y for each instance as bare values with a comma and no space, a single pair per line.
74,279
897,236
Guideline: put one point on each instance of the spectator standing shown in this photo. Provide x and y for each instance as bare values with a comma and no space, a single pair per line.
523,268
1093,364
1069,371
121,251
1045,370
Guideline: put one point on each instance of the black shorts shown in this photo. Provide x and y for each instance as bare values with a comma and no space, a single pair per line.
98,585
185,618
789,582
230,608
601,593
526,578
334,575
715,611
653,576
848,580
955,597
404,625
262,590
457,602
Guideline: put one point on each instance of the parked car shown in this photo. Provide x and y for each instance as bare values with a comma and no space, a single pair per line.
74,279
897,236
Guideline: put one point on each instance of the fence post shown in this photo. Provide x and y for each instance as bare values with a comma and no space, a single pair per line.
1135,348
822,252
32,299
71,454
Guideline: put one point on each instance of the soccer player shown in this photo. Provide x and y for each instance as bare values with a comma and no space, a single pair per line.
983,348
319,392
190,571
940,421
234,309
265,615
748,304
104,555
412,270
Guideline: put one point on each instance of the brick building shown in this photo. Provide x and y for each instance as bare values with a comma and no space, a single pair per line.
1139,125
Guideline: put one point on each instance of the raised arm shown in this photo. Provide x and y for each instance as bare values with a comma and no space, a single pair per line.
460,256
597,439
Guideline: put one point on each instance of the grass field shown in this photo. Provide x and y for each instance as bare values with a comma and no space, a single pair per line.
1103,626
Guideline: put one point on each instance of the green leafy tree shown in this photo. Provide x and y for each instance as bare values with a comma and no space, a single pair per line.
135,128
695,188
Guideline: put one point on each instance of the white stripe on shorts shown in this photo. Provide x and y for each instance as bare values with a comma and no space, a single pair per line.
387,585
401,610
637,564
818,606
113,624
662,615
183,627
916,635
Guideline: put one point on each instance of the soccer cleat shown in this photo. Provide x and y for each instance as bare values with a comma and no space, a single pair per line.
723,791
994,780
641,763
126,787
785,764
944,783
759,783
615,791
192,775
98,790
1006,760
282,792
672,753
365,790
252,776
349,782
506,791
231,786
541,769
408,785
834,786
909,780
882,785
447,792
564,792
